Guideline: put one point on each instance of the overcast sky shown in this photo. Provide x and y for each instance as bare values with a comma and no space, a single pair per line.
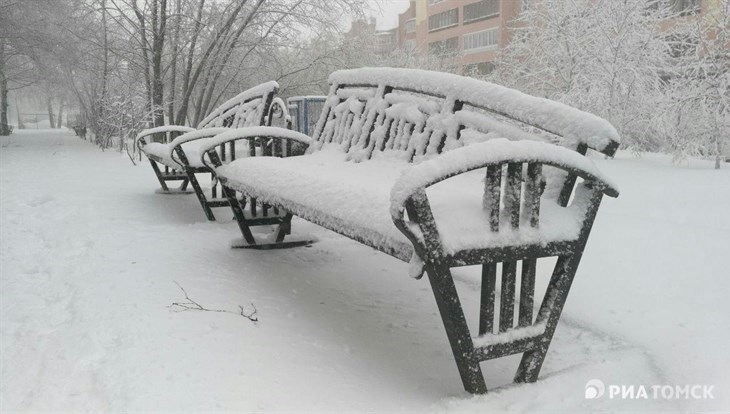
386,11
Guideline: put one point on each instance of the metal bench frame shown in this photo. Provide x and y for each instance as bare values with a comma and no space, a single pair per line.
516,183
229,115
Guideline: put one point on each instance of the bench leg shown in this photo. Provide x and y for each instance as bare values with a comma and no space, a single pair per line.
550,310
158,174
200,194
457,330
282,230
238,214
161,177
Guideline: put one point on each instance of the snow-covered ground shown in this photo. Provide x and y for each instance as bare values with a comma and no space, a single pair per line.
90,257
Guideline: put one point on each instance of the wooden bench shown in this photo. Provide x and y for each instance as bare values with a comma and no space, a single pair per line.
178,159
442,171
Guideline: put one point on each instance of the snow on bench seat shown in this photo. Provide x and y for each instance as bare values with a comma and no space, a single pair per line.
163,153
160,151
355,199
192,144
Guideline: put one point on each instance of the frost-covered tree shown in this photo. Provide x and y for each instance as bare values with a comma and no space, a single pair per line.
697,111
194,52
30,45
175,57
602,56
656,69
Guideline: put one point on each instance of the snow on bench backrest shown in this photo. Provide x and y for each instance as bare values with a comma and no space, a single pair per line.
414,115
423,113
248,108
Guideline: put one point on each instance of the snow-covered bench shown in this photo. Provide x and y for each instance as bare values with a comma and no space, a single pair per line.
180,157
443,171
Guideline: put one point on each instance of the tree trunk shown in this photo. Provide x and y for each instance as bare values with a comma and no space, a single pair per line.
145,54
718,148
104,78
17,113
4,129
59,121
182,111
175,51
49,107
158,42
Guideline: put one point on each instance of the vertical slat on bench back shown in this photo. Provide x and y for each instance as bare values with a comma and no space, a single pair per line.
249,108
492,195
402,125
347,115
373,120
517,206
468,111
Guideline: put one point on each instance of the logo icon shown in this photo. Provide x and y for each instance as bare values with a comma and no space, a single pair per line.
595,389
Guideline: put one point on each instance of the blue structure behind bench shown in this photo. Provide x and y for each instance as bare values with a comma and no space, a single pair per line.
305,111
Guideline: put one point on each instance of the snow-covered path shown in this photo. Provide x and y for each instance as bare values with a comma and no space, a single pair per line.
89,257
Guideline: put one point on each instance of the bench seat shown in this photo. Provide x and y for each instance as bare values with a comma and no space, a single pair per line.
162,153
165,153
355,199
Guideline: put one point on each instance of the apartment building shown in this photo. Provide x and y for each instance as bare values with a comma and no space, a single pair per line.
386,41
407,29
472,29
475,30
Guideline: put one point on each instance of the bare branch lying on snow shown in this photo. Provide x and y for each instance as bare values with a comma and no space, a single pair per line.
191,305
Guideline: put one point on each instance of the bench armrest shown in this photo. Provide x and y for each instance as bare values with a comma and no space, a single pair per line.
410,188
493,152
247,133
192,136
140,142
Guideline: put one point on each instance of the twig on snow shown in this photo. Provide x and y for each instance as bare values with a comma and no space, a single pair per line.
191,305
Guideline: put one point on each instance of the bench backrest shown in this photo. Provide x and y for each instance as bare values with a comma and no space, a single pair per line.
414,115
248,108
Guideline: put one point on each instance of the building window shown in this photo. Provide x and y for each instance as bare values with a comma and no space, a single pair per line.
431,2
410,44
481,10
443,19
411,26
443,47
478,41
478,69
